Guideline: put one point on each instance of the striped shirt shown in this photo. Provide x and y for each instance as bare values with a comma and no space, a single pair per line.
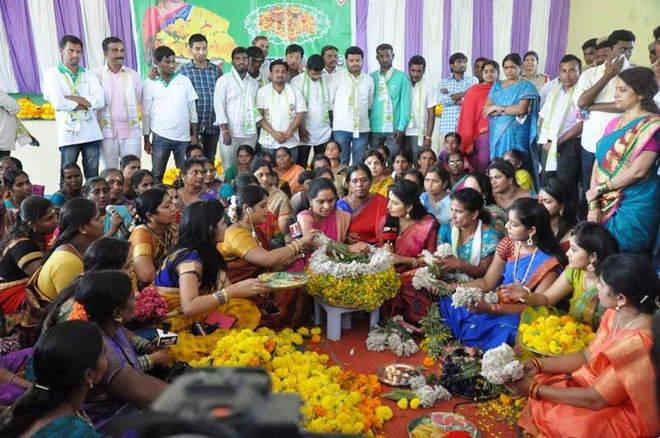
204,81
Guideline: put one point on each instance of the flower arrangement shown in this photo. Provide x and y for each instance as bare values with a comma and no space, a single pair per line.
78,312
467,297
461,374
500,365
333,400
390,335
430,277
361,281
149,305
219,168
437,334
423,392
555,335
171,175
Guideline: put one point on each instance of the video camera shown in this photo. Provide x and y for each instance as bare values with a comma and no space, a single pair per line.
221,403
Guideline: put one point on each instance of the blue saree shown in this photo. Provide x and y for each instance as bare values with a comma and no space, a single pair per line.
506,132
633,213
485,330
68,426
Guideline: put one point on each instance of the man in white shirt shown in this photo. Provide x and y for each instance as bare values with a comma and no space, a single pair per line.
119,119
594,95
283,109
315,130
294,60
352,96
235,107
75,94
559,128
8,110
419,132
169,111
330,56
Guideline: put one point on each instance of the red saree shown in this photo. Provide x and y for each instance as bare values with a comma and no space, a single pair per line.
621,370
367,219
471,121
411,303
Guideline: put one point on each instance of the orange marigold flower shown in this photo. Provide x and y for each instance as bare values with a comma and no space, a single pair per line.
428,362
78,312
318,410
316,338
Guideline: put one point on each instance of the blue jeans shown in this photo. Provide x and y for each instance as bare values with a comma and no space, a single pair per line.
91,153
161,154
345,139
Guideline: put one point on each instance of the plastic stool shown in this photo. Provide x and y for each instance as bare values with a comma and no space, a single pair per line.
339,317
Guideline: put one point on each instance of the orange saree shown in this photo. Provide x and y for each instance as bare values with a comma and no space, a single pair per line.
621,371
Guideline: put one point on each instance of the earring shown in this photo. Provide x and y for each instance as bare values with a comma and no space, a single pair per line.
591,267
408,214
90,383
530,241
618,307
561,212
119,319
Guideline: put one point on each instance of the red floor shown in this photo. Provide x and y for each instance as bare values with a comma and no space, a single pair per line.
351,354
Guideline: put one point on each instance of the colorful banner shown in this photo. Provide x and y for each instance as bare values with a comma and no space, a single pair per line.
230,23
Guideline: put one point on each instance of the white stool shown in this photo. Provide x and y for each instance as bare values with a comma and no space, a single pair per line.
339,317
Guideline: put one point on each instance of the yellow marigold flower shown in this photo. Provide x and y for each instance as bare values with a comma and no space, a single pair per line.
414,403
315,330
303,331
402,403
384,413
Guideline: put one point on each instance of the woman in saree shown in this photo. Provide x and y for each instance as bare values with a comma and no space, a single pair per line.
79,226
407,230
625,185
473,241
366,208
380,180
23,251
108,299
19,187
481,183
194,189
590,245
155,234
247,252
473,126
193,279
528,256
245,155
506,190
68,361
512,107
73,181
608,389
278,203
554,196
286,169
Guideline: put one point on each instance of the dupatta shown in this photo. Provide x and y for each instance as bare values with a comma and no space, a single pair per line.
471,121
616,152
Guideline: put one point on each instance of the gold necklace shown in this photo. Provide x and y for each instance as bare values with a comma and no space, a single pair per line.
618,322
515,265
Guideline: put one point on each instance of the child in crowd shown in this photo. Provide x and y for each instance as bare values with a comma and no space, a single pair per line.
523,178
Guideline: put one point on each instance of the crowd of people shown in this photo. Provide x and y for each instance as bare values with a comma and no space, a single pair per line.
546,190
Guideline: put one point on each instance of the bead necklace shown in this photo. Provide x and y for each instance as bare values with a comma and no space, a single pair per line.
515,265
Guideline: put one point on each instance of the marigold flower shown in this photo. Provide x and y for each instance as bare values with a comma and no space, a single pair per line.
402,403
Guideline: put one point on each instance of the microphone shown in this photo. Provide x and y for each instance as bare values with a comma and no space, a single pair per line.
122,227
390,230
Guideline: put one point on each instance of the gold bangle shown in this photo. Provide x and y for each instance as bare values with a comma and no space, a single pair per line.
537,363
594,205
13,376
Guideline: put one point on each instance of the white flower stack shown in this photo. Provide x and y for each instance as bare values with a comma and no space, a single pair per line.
500,365
423,279
320,263
467,297
428,395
